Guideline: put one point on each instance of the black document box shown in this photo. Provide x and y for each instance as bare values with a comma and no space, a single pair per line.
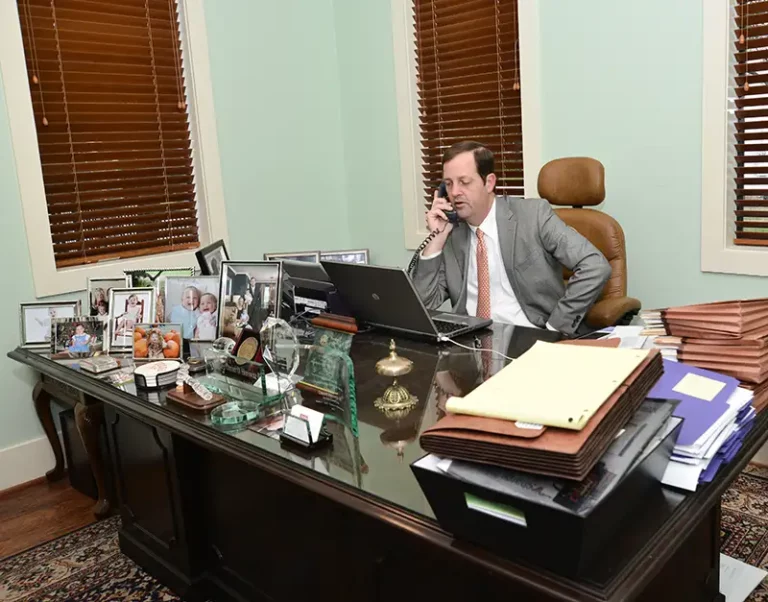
552,538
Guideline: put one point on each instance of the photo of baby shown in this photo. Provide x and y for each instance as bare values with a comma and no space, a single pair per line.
80,336
157,341
156,280
128,307
193,303
98,296
37,318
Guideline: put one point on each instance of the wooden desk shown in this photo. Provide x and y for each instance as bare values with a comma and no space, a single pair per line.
89,417
238,517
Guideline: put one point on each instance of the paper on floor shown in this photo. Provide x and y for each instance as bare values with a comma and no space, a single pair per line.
738,579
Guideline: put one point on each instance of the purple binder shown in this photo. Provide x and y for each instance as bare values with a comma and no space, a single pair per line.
698,414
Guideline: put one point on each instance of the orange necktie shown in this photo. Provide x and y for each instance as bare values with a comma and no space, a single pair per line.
483,278
484,300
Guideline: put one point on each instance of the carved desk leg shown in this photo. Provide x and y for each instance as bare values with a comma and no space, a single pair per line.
90,418
42,401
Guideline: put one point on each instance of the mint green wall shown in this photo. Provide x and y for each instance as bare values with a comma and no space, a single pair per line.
369,113
276,93
621,82
17,417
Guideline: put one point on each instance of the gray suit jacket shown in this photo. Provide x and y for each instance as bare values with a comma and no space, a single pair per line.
535,245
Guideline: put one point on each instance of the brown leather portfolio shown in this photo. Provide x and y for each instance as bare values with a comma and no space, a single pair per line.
556,452
723,319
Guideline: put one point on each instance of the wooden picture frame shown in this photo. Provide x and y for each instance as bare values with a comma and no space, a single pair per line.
209,258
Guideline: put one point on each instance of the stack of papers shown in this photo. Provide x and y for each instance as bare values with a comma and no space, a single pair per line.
654,324
717,413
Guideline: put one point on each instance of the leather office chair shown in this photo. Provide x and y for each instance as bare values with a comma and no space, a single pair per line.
579,182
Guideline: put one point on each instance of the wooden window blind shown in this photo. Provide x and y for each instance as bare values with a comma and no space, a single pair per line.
750,100
109,104
468,78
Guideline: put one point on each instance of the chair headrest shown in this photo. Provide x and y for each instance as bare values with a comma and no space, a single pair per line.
574,181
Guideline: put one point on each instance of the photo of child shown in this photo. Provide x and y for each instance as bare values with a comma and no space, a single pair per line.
79,336
128,307
156,280
206,323
157,341
134,312
37,319
193,303
98,295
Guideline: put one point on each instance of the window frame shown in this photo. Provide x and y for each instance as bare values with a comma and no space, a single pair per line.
212,220
718,252
403,34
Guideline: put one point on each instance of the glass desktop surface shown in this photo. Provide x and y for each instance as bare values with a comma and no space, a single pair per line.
378,460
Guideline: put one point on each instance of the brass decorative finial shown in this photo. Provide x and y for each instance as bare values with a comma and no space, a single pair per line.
393,365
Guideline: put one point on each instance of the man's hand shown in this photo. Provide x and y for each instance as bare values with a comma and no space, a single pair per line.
436,220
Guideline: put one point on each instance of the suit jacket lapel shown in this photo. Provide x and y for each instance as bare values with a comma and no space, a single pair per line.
506,222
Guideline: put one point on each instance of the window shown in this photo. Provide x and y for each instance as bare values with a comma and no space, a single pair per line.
463,75
750,99
735,137
115,104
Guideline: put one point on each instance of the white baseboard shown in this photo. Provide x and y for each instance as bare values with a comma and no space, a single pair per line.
25,462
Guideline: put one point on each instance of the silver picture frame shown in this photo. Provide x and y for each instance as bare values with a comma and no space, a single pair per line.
360,256
147,300
42,342
308,256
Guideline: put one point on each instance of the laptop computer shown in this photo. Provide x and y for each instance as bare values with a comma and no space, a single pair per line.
385,297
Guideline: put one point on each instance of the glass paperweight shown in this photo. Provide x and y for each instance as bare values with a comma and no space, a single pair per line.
280,350
236,415
239,380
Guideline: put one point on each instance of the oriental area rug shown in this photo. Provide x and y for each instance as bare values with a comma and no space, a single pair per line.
87,566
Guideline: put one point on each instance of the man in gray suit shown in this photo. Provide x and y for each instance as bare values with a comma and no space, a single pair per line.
504,259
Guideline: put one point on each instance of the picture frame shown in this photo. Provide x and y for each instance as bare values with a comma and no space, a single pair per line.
360,256
98,291
209,258
147,347
79,336
123,315
155,279
35,321
249,292
308,256
190,310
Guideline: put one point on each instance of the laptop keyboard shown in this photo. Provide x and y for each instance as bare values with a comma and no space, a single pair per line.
447,327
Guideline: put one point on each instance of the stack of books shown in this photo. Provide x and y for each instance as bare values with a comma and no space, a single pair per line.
729,337
717,414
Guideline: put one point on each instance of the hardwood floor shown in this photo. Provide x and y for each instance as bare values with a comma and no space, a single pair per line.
40,512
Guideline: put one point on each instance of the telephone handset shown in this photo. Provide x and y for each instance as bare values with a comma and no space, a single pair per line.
451,216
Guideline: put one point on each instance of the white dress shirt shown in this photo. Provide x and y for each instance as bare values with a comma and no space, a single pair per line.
504,304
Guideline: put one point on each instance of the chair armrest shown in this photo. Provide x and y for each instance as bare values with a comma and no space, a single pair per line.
607,312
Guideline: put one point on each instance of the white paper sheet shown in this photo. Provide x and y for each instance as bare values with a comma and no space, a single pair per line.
738,579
